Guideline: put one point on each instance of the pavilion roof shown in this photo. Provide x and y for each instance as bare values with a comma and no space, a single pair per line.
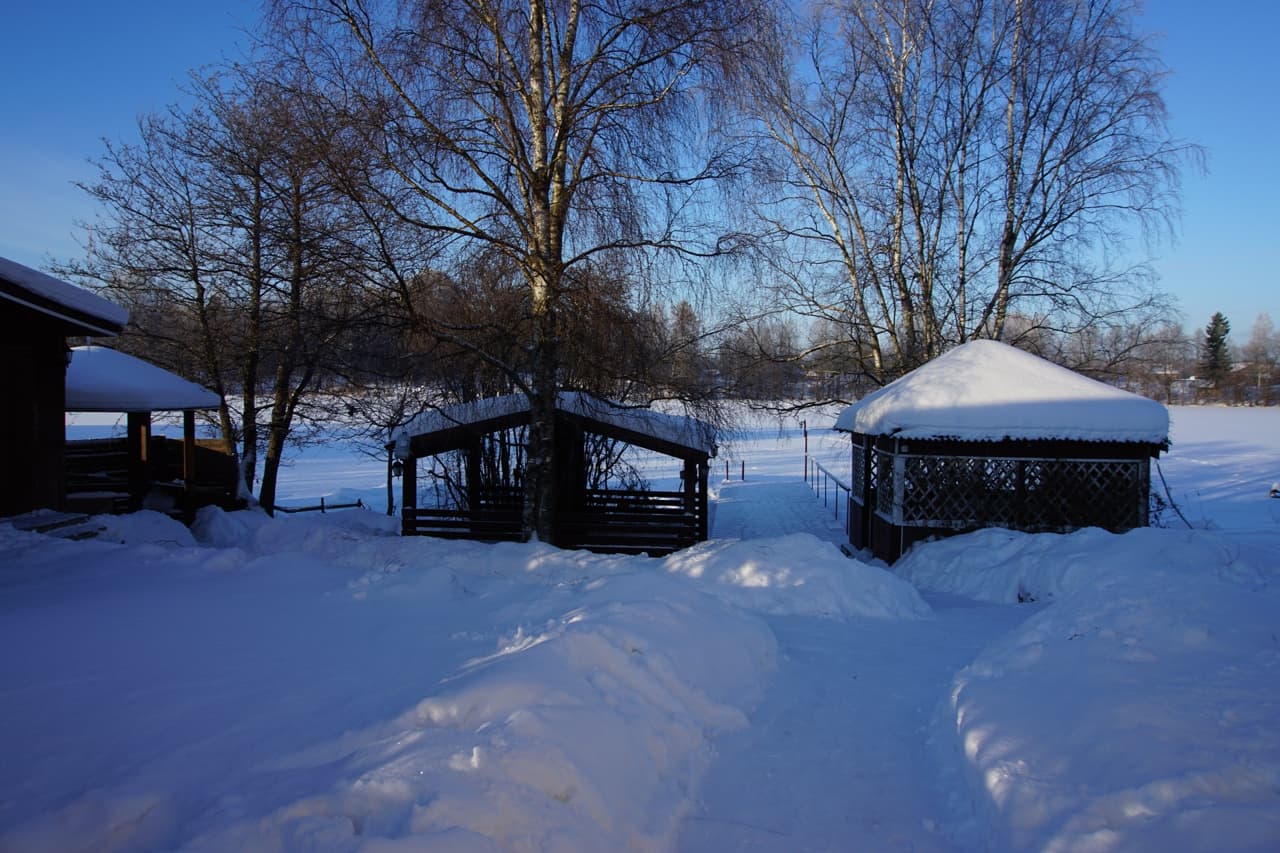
989,391
106,380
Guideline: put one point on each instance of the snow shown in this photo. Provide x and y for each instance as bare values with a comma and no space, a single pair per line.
679,429
316,682
62,293
989,391
106,380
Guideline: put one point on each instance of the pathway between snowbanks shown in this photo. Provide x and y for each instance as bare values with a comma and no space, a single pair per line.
838,754
1135,705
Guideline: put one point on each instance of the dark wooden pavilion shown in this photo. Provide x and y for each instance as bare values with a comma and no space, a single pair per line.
991,436
143,469
37,314
487,436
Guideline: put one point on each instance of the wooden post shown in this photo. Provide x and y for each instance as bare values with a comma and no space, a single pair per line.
704,523
188,449
138,431
689,487
391,490
409,498
474,475
804,425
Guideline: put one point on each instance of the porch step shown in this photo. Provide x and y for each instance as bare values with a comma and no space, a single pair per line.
64,525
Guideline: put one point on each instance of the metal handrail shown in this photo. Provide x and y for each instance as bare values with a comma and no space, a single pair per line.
823,489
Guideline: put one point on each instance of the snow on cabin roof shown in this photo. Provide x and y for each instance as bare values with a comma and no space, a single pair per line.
55,297
107,380
677,429
989,391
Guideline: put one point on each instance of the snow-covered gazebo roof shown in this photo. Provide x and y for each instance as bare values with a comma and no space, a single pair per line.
87,312
672,431
106,380
989,391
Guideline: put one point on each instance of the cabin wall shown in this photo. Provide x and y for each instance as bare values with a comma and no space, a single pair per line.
32,428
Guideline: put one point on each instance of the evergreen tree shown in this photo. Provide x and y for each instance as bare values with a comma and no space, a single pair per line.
1215,357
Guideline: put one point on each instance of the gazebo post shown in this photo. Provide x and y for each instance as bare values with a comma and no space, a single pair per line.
704,530
688,485
138,432
475,449
409,498
391,491
188,448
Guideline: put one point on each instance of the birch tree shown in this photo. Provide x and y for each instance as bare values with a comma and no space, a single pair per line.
947,164
555,133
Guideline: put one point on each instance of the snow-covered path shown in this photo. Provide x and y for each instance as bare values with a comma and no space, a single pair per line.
771,506
838,754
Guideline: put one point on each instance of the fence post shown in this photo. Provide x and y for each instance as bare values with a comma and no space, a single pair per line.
804,426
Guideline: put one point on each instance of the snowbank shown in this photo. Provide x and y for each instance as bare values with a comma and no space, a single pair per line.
797,574
313,683
1007,566
1137,711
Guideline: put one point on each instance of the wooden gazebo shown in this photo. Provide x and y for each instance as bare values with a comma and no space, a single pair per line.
990,436
488,434
142,469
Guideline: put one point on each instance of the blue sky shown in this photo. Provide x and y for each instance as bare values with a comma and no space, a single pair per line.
76,72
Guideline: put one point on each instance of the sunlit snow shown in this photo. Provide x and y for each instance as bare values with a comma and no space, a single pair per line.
318,683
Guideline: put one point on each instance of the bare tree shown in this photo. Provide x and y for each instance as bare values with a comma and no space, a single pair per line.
226,221
949,165
551,133
1262,355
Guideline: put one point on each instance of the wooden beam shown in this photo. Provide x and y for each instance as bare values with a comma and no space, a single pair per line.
138,432
188,448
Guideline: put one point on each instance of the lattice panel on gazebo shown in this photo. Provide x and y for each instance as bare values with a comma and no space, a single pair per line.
945,491
1028,494
882,482
1082,492
859,460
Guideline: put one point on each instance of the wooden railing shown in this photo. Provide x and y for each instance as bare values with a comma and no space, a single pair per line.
101,476
609,520
97,475
623,522
486,524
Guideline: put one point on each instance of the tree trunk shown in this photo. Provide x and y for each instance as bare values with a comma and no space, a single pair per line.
539,482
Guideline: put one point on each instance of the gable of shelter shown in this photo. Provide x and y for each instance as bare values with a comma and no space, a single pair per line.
455,427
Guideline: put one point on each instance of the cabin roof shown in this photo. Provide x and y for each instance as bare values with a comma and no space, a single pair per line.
106,380
85,312
989,391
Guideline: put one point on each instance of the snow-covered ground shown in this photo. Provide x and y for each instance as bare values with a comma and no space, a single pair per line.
318,683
